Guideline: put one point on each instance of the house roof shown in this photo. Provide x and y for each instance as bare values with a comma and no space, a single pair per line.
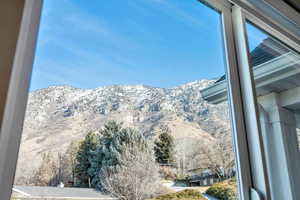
267,50
60,193
264,52
275,69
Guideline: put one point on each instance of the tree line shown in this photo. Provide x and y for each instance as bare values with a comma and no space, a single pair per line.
122,162
117,160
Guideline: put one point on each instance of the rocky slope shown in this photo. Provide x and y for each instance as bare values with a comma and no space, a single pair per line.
57,115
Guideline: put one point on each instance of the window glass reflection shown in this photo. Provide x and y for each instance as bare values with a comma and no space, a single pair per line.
276,72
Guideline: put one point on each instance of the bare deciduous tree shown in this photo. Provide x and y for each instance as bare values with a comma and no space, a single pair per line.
136,177
45,173
218,156
187,155
68,163
55,168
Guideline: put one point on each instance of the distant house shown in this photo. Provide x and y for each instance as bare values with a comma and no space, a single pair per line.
200,177
205,177
57,193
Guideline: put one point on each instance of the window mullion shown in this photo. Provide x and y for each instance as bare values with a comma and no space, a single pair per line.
255,142
236,110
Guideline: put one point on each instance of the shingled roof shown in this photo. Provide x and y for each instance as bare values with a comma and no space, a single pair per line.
265,51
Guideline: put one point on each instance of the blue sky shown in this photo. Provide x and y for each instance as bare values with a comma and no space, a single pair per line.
92,43
255,36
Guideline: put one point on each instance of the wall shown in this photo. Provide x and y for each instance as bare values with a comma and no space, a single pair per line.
10,21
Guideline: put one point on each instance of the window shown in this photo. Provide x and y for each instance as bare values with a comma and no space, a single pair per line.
152,72
276,73
127,107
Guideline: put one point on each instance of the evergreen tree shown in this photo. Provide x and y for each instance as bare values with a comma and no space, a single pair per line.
105,137
83,157
164,147
113,141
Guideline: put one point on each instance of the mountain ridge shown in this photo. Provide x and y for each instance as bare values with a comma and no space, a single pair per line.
58,115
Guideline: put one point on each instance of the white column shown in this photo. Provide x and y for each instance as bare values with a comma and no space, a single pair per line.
281,148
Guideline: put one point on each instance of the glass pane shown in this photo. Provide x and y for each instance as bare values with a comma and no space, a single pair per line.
123,103
276,73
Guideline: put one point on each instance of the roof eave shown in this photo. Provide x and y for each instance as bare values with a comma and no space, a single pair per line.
264,74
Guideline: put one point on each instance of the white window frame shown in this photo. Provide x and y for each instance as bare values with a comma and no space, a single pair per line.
250,161
258,186
256,151
253,182
16,100
234,95
241,15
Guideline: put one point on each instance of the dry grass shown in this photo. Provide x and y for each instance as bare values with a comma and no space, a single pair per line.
182,195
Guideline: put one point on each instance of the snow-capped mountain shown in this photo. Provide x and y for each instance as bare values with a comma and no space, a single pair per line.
58,115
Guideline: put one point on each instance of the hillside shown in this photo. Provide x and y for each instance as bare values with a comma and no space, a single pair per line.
58,115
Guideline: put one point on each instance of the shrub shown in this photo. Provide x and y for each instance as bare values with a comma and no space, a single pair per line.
182,195
225,190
